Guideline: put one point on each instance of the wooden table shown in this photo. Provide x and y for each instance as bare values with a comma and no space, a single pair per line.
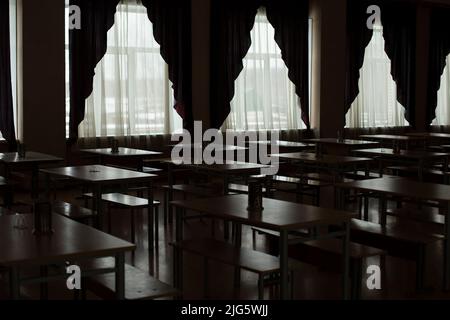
338,165
405,188
102,176
421,157
437,135
404,140
283,146
340,146
280,216
123,154
71,241
12,161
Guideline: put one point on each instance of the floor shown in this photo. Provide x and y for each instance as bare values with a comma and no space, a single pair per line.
398,276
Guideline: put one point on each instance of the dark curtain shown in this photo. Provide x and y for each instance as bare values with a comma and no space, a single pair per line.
171,21
87,47
6,98
439,50
290,21
358,37
231,24
399,32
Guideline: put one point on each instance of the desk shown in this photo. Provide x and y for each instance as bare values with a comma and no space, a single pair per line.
280,216
406,188
340,147
404,140
422,157
32,159
100,176
126,154
338,165
71,241
283,146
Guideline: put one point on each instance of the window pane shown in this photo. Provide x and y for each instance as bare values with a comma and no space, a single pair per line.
376,104
132,93
265,98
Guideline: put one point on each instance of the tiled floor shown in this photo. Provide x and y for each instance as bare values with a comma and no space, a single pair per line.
398,276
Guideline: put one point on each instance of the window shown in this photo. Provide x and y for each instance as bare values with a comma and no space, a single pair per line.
132,93
265,98
443,98
376,104
13,46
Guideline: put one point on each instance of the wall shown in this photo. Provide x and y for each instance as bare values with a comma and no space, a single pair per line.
43,77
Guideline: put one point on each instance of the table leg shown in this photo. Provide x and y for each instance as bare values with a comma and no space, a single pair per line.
170,192
152,242
420,173
345,261
382,206
98,206
238,243
446,248
178,257
14,283
47,186
284,268
35,181
120,276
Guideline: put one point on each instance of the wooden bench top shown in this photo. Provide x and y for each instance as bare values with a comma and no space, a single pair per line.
414,169
334,246
124,200
71,211
247,259
356,250
393,232
293,180
192,189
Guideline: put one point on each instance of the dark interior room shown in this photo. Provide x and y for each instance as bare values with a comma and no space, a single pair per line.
241,151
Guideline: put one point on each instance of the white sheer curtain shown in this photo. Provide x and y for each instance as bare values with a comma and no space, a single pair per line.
265,98
132,93
376,104
443,101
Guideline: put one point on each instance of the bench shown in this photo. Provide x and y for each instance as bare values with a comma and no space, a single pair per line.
267,267
438,175
132,203
186,189
397,241
327,254
74,212
303,187
139,285
424,218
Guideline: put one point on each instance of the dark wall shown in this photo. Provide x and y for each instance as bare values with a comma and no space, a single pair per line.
43,80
